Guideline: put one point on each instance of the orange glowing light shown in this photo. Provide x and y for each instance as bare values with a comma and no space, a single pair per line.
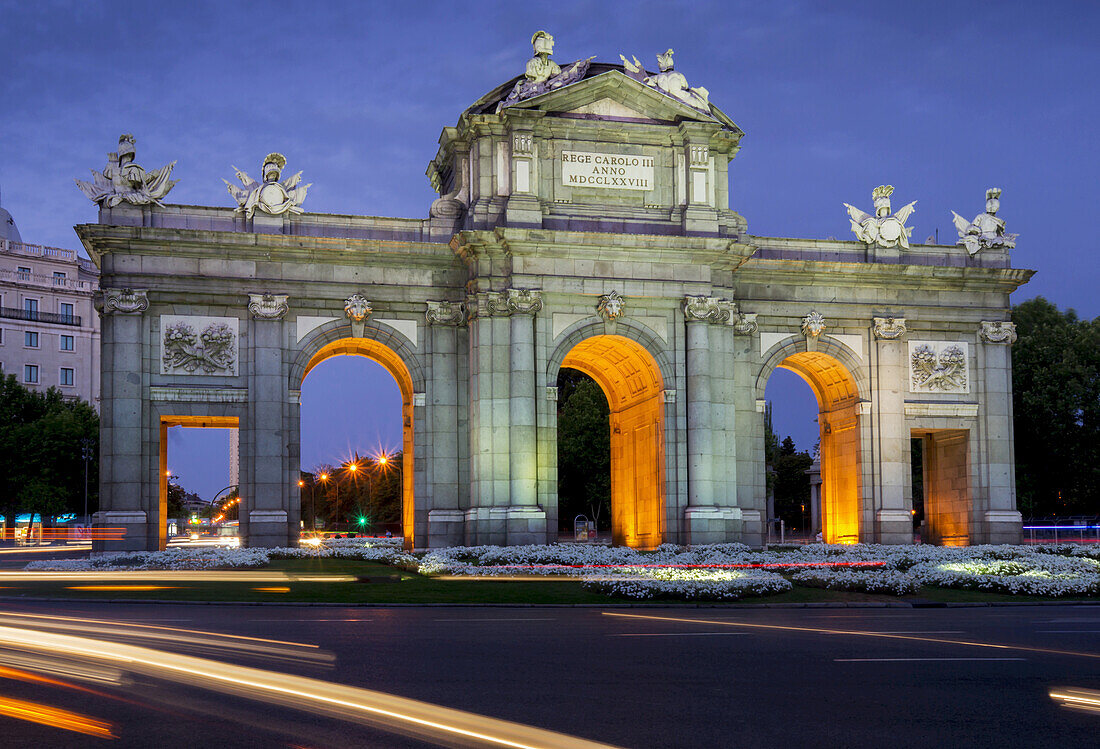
278,589
55,717
324,477
301,483
353,467
383,459
121,587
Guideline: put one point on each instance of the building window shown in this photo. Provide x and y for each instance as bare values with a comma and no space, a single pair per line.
30,309
1,336
30,339
24,273
67,376
59,278
67,343
30,374
67,311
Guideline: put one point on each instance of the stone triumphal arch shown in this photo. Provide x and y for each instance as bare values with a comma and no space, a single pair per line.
583,221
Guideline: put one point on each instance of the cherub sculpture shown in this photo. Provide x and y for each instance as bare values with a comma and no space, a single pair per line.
882,229
271,195
122,180
986,231
669,81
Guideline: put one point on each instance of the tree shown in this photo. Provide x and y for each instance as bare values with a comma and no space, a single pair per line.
584,451
41,464
792,484
1056,407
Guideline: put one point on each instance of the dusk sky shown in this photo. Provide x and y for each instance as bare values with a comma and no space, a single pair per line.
942,100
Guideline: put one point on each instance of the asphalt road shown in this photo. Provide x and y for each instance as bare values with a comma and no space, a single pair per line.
660,677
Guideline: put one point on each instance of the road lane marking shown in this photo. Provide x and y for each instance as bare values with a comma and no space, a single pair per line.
1067,631
855,633
297,621
496,620
906,660
920,631
671,634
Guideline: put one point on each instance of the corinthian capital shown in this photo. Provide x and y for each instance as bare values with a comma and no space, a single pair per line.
121,301
888,328
268,306
445,313
997,332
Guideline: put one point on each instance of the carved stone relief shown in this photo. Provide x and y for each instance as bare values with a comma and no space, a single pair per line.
194,345
705,309
611,306
445,313
122,301
268,306
939,367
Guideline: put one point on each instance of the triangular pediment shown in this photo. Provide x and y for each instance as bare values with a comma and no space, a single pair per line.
614,95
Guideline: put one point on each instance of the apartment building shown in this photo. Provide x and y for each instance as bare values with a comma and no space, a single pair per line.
49,330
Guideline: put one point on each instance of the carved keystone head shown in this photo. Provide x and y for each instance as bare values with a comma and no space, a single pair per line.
611,306
357,308
813,324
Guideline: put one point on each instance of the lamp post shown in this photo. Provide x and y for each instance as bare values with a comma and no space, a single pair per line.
324,480
352,467
86,454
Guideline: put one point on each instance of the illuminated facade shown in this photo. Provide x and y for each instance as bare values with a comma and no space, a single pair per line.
583,222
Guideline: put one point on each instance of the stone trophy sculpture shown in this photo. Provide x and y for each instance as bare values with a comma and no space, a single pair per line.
986,231
669,81
270,196
882,229
124,181
542,73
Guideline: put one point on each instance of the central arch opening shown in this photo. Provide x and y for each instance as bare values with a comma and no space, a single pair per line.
392,363
838,426
633,386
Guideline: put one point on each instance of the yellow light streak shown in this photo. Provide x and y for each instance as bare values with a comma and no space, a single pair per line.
298,692
857,633
55,717
1077,698
280,589
190,576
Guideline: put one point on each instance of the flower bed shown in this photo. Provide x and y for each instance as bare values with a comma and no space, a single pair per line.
687,584
1027,574
875,580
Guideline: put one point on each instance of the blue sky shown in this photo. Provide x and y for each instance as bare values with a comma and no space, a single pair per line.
941,100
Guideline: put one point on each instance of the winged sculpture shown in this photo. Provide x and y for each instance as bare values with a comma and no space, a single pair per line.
123,180
987,230
270,195
883,229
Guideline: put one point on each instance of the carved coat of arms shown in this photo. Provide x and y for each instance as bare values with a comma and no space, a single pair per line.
938,367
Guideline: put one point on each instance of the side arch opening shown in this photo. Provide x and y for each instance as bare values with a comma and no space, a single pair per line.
838,401
632,383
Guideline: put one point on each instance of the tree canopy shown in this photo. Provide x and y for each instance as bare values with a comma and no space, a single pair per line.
1056,409
41,455
584,451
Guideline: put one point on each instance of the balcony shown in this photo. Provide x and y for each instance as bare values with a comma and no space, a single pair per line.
42,280
14,313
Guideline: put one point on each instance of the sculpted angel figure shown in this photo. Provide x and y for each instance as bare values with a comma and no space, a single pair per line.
123,180
883,229
270,195
986,231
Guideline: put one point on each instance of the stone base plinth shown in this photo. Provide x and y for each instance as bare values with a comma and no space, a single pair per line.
1000,527
893,527
712,525
446,528
505,526
131,527
752,528
268,529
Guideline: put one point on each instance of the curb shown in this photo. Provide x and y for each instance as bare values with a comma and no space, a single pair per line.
686,605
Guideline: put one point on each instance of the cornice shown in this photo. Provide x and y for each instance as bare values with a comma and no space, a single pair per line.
925,277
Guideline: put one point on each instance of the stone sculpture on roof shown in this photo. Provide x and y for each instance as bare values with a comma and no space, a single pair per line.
270,195
669,81
986,231
543,74
123,180
882,229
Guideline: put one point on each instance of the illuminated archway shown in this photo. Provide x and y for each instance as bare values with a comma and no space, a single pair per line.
838,422
632,384
392,363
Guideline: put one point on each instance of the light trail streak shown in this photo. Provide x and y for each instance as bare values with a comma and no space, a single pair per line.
1077,698
296,652
400,714
122,587
55,717
191,576
856,633
46,549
